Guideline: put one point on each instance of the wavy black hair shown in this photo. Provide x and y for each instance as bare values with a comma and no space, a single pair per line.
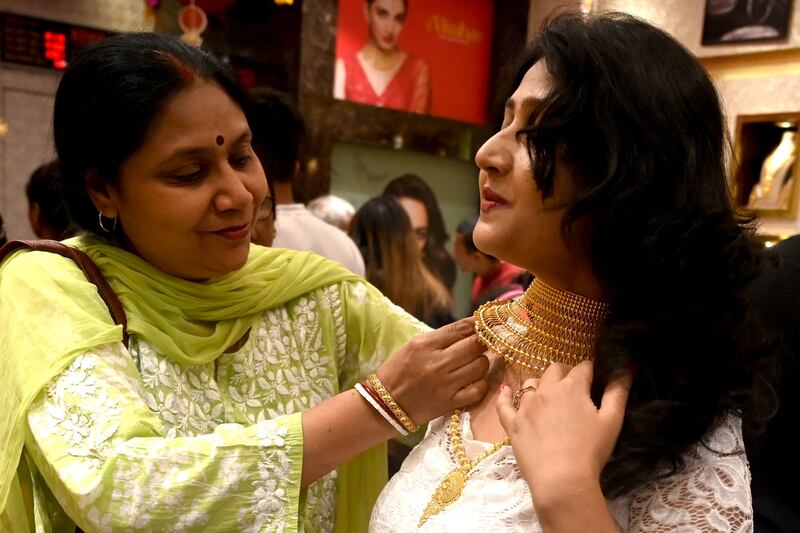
405,3
638,123
108,99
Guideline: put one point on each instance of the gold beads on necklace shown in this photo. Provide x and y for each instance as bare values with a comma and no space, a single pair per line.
544,326
451,487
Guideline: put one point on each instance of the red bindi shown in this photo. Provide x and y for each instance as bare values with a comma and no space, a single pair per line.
220,140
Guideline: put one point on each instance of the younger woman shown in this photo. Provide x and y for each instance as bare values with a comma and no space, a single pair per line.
607,182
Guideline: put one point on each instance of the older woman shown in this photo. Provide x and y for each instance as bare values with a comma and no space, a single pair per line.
231,406
606,181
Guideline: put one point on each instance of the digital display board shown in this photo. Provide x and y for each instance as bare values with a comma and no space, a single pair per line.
42,43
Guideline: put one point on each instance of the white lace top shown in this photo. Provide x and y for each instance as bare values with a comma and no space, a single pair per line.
711,494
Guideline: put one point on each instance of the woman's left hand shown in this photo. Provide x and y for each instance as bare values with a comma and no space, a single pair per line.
561,440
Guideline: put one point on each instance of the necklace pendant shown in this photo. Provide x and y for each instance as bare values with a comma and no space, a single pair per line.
448,491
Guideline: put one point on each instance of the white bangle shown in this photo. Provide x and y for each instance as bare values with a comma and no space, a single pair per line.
364,394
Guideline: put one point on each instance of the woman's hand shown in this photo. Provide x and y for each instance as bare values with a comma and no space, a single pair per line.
429,376
437,372
561,440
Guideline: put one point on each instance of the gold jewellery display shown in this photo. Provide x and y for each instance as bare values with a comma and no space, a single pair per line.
544,326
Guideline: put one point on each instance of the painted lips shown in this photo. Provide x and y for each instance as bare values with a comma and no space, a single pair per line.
491,199
234,233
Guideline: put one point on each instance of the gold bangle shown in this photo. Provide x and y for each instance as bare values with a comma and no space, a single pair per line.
397,411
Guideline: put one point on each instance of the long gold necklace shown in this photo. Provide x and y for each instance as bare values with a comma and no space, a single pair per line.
451,487
544,326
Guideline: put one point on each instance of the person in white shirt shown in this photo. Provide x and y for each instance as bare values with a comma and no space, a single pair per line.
278,130
333,210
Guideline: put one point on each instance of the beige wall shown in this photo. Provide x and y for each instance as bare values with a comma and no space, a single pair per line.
26,97
116,15
541,9
684,20
751,79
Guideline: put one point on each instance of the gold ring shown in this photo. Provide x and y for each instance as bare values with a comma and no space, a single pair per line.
518,395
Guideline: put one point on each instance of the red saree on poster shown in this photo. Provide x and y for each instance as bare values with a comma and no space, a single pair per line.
409,88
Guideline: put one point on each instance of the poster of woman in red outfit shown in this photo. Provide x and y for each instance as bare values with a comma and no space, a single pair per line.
423,57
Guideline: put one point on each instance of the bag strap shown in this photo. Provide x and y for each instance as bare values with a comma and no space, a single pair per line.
86,265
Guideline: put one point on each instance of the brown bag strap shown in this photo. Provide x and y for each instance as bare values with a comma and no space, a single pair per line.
88,267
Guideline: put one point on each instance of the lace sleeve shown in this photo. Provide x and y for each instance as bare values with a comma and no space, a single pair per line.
711,494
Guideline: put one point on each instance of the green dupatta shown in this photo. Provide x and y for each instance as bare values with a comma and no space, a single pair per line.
56,314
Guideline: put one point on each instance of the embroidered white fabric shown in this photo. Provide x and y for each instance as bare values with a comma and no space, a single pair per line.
711,494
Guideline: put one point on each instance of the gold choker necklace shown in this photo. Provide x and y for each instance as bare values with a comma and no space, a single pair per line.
544,326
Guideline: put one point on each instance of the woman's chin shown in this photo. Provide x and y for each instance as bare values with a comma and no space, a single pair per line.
485,238
238,260
233,262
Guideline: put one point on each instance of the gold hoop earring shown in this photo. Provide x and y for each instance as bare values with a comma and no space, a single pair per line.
102,226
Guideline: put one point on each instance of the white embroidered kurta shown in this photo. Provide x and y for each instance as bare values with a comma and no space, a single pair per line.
711,494
131,441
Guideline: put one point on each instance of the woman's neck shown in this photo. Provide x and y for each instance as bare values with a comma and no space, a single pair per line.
379,58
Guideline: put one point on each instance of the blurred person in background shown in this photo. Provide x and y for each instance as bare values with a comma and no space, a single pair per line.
278,132
382,232
333,210
264,226
419,202
46,210
3,237
494,279
773,457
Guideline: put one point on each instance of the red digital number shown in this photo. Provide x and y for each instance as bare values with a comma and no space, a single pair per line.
55,49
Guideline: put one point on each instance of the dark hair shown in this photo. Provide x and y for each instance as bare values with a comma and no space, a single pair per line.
465,229
271,191
637,122
382,231
108,99
278,132
3,237
405,3
435,255
43,189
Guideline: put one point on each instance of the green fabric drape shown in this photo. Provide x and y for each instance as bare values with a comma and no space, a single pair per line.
190,322
193,323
